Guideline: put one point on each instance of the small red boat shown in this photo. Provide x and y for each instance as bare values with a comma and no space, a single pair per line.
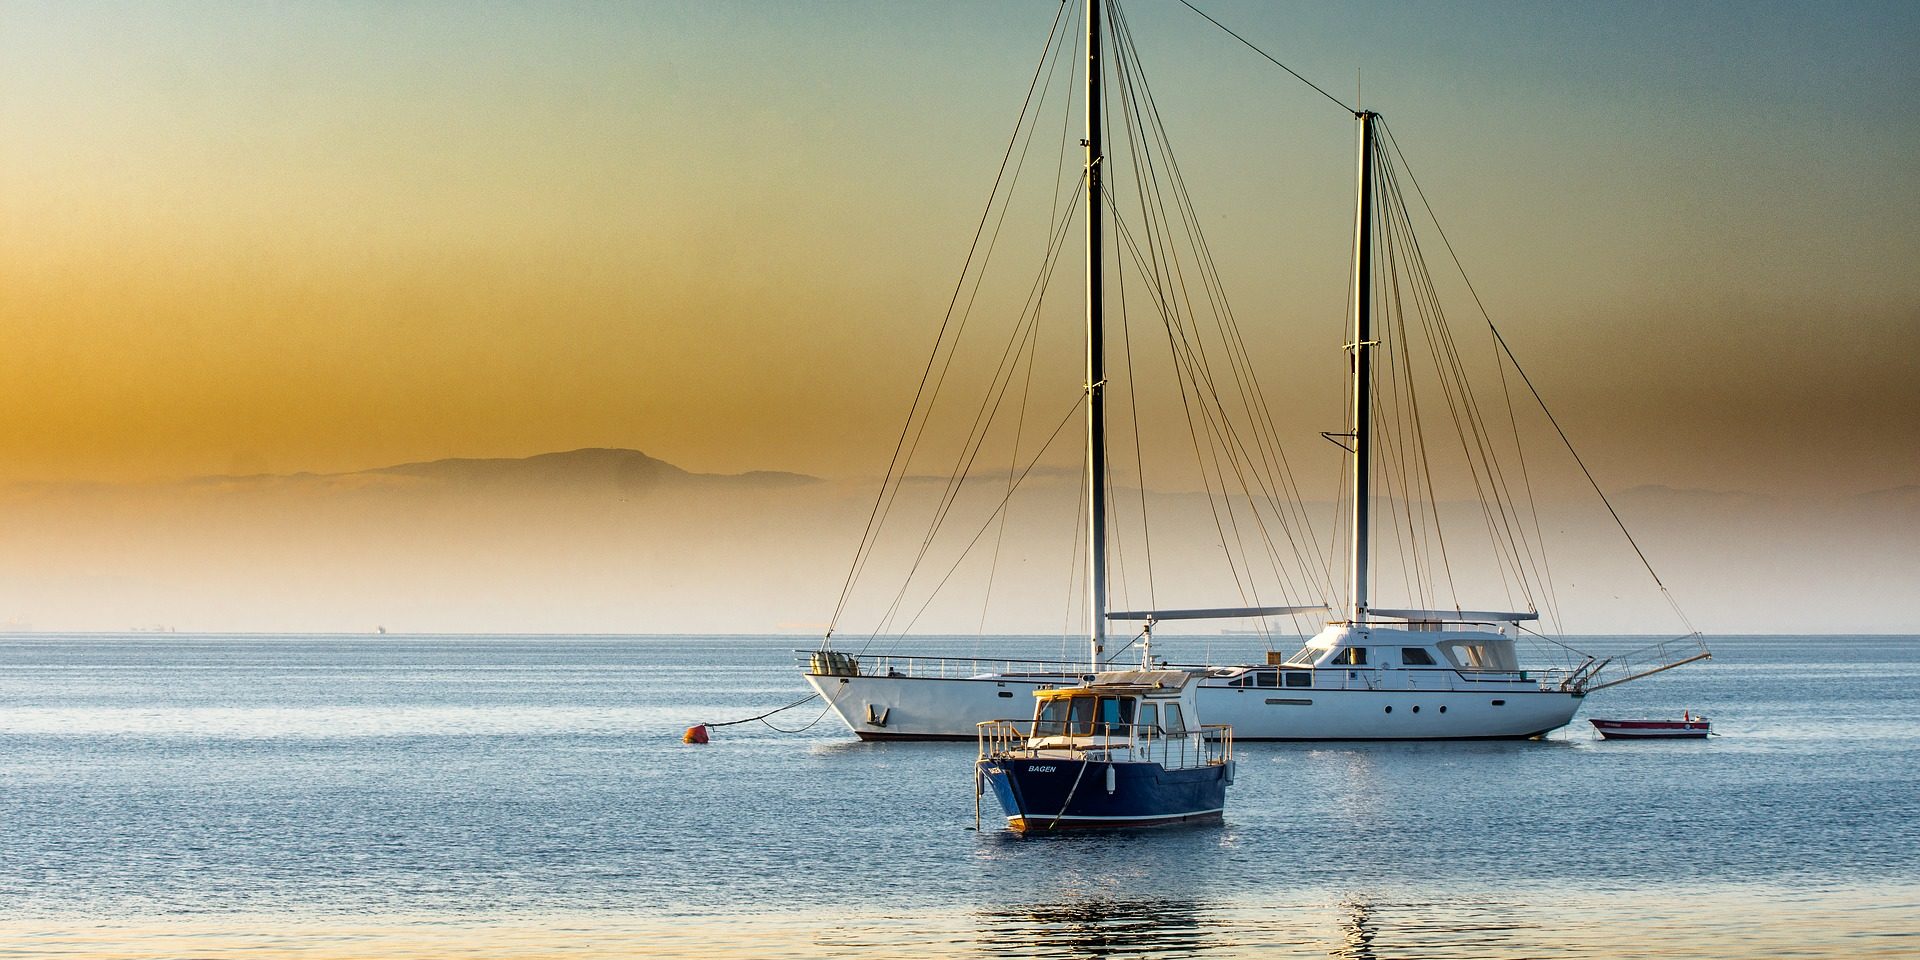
1691,727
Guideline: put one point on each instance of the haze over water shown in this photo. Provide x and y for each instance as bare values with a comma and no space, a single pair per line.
515,797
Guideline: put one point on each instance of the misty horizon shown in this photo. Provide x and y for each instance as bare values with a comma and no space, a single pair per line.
594,548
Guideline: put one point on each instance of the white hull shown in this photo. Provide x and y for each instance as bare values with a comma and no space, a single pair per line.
930,708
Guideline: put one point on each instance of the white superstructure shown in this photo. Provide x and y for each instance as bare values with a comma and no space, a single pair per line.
1422,680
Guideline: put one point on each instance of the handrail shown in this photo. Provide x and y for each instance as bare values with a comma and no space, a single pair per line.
834,663
1206,745
1657,657
1450,678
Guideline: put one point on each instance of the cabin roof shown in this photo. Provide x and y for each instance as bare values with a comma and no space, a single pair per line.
1164,679
1125,681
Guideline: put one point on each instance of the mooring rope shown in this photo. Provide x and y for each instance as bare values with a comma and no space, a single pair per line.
763,717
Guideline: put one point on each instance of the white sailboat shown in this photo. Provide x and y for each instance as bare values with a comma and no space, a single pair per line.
1371,673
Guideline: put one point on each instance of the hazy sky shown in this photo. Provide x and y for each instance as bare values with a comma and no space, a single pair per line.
324,236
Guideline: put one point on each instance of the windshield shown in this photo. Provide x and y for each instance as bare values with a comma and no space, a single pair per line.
1064,716
1077,716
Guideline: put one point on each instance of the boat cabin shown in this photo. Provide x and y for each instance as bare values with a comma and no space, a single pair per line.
1118,716
1474,648
1118,704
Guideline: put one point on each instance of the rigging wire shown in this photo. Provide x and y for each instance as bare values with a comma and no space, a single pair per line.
983,421
1032,346
1269,56
983,418
1165,265
996,512
1013,464
1227,455
1223,455
1449,373
1507,350
876,514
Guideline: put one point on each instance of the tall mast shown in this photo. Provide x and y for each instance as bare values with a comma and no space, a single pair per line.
1096,362
1362,373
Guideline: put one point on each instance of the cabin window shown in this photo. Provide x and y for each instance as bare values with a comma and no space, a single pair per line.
1065,716
1052,720
1175,726
1244,680
1298,678
1415,657
1149,719
1081,722
1267,678
1115,713
1351,656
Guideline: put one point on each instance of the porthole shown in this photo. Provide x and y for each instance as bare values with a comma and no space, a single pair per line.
1443,709
1416,709
1389,709
1499,703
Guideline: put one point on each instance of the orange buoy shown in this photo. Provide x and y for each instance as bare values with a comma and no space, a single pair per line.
695,734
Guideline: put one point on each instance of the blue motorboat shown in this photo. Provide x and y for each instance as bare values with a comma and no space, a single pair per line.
1122,750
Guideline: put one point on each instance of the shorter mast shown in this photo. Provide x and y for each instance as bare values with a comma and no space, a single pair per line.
1362,364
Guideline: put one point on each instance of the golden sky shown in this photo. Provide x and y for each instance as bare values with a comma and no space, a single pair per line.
237,238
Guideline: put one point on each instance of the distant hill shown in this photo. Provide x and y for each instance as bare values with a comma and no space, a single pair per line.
626,470
1895,498
592,465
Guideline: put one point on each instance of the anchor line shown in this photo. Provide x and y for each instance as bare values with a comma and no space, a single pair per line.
763,717
809,725
1064,804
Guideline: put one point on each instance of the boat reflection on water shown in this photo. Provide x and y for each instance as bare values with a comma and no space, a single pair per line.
1189,928
1356,926
1356,923
1101,928
1078,919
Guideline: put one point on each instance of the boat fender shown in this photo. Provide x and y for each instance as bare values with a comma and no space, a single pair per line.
1110,779
695,734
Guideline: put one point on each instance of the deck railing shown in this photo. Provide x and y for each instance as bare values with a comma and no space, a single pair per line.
1207,746
1599,673
835,663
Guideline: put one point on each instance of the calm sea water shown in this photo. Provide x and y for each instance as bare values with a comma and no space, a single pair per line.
166,796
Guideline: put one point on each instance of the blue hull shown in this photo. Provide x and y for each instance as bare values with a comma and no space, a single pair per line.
1041,793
